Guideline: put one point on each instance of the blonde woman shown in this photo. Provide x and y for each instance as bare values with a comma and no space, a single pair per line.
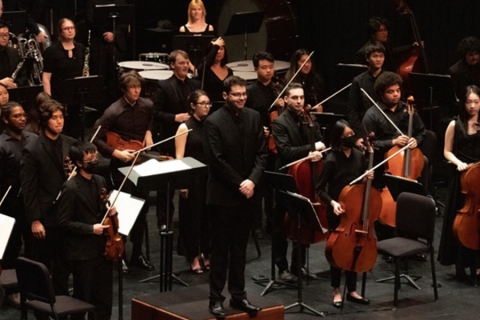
196,24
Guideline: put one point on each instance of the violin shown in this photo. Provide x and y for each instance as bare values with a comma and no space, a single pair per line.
408,164
306,174
353,245
466,226
277,87
114,247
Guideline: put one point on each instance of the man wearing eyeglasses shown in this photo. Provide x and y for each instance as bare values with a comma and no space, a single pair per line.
236,154
9,60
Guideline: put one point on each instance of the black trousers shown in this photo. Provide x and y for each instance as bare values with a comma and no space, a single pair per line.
93,283
230,231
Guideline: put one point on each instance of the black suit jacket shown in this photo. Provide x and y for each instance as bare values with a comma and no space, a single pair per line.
291,143
77,213
13,61
169,101
42,178
229,164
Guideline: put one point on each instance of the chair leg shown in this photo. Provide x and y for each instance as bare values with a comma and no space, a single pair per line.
434,274
147,242
397,282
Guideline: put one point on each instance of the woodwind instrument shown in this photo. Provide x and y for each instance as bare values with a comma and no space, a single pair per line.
86,68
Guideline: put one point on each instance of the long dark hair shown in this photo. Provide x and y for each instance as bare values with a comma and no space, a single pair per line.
297,55
336,134
463,115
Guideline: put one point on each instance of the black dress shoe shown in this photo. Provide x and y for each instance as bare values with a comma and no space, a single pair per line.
244,305
361,300
305,274
142,263
125,269
337,304
216,308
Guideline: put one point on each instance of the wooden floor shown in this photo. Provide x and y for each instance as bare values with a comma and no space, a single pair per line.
457,300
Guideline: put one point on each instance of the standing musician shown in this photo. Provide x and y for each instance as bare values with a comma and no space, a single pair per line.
291,138
130,118
43,170
466,71
196,24
312,82
12,141
80,213
34,9
236,154
388,88
170,108
358,103
462,148
345,163
64,60
9,60
377,29
261,94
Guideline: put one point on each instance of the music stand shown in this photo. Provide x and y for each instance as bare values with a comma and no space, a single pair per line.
245,23
175,174
397,185
79,91
345,72
326,120
118,13
302,210
283,182
195,46
16,21
430,83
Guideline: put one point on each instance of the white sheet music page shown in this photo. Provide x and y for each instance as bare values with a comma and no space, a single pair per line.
128,209
6,227
154,167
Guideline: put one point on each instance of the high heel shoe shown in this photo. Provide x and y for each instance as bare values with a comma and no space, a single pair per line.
198,268
205,262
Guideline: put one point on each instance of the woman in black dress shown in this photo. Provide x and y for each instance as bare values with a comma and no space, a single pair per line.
342,165
462,147
64,60
194,233
215,72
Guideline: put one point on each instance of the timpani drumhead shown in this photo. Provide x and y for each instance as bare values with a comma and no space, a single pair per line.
142,65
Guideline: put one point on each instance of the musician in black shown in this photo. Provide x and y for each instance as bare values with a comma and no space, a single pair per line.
358,102
466,71
81,209
35,10
130,117
43,170
12,141
9,61
291,137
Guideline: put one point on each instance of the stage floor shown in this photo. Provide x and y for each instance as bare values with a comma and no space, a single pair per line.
457,300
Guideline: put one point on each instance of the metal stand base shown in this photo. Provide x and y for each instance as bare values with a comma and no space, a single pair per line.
305,306
409,278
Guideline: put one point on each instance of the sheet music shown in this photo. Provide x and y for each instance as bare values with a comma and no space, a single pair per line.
6,227
299,196
128,209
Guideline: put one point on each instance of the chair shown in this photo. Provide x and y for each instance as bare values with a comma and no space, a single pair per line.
36,292
415,227
8,281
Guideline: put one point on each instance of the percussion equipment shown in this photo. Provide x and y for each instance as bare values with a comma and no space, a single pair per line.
142,65
247,65
249,76
152,77
154,56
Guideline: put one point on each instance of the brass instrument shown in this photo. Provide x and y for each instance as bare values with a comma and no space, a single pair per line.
33,51
86,68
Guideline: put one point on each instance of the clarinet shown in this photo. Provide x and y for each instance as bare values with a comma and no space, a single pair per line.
86,68
17,70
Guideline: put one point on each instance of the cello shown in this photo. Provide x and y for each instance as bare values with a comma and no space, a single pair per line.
353,245
306,174
466,226
411,63
408,164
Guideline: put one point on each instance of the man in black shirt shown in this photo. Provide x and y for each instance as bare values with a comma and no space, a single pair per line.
9,60
466,71
358,102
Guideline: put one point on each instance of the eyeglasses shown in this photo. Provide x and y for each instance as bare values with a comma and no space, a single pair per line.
204,104
4,35
68,28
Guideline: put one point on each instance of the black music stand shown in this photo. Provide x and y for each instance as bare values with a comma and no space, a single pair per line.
279,182
195,46
25,95
302,210
175,174
434,84
118,13
396,186
16,20
81,90
326,120
245,23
